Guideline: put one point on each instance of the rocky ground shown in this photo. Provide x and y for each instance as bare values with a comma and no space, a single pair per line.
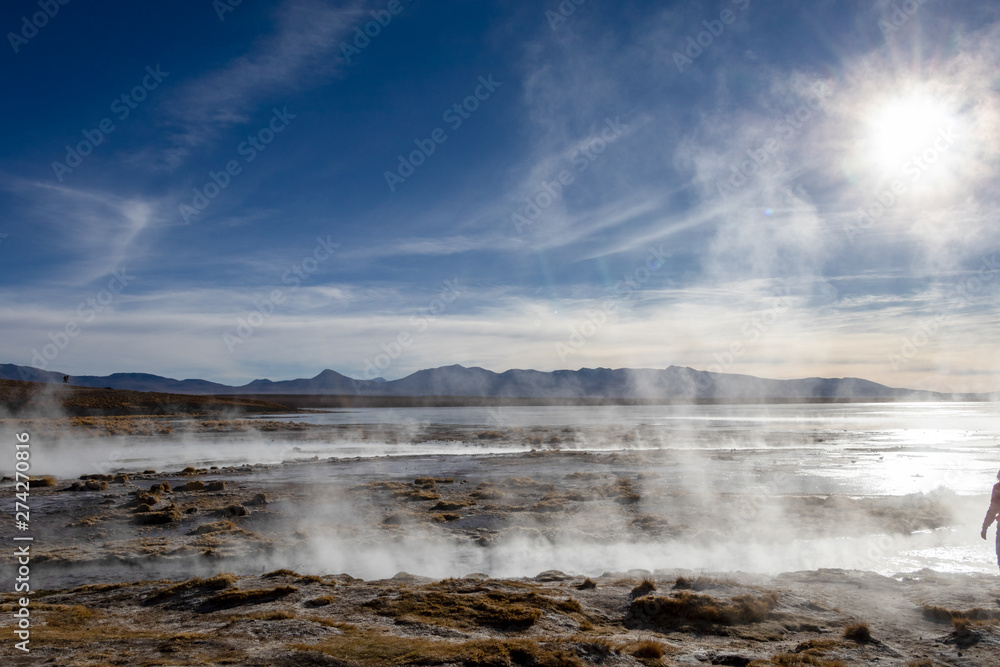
238,565
824,618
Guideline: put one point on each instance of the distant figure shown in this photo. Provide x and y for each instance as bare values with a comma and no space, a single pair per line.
65,378
991,515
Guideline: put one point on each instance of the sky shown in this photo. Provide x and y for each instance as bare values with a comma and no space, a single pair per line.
237,190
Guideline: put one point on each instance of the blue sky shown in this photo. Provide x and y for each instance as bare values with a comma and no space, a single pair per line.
197,189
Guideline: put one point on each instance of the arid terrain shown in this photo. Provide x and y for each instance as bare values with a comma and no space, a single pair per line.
261,564
823,618
34,399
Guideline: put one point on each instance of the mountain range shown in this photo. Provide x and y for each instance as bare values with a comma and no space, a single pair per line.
672,383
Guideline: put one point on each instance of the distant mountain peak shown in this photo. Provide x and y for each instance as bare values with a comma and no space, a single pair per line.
671,383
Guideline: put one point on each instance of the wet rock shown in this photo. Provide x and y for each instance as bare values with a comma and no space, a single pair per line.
450,505
195,485
89,485
143,498
157,518
235,510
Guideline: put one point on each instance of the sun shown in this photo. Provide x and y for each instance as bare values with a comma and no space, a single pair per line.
903,129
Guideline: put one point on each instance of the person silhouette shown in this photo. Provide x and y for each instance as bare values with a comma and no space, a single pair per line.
992,515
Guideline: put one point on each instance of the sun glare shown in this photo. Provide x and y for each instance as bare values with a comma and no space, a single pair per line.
903,130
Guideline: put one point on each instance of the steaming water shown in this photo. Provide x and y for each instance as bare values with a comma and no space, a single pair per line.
855,450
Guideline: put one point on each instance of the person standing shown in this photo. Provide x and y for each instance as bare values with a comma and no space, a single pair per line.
991,515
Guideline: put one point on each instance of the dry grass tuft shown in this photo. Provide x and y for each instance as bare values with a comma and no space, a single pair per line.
527,483
648,650
259,499
421,494
216,583
238,598
64,616
428,481
472,607
376,649
700,584
266,616
488,491
586,585
450,505
550,505
193,485
283,572
42,482
644,588
816,646
943,615
796,660
686,608
214,527
858,632
156,518
234,511
89,485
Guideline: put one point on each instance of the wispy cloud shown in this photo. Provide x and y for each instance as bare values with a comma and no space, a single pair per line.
299,52
426,247
94,231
